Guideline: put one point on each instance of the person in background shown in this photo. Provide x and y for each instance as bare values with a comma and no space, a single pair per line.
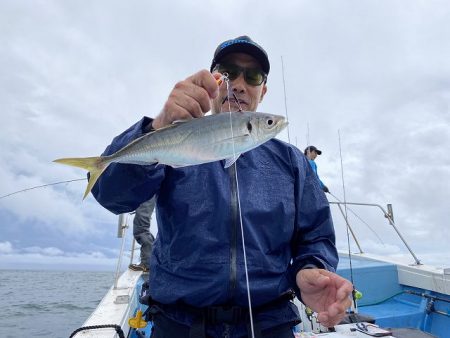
311,153
142,234
197,284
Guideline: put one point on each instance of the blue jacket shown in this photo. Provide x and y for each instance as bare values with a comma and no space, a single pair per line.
198,257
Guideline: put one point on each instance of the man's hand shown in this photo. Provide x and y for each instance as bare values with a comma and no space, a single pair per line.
326,293
189,98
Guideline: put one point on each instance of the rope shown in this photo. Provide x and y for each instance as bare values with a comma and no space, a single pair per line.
93,327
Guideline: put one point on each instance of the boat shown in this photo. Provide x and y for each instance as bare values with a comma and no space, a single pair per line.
400,299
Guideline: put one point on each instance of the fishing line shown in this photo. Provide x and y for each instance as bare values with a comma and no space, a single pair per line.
41,186
226,79
285,100
346,219
358,217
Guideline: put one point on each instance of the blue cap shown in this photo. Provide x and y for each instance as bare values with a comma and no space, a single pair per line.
242,44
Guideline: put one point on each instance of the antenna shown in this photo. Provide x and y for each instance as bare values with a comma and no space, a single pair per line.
285,100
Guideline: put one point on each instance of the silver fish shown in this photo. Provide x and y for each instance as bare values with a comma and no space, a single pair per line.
184,143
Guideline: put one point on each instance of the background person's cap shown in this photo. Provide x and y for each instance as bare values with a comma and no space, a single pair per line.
241,44
312,148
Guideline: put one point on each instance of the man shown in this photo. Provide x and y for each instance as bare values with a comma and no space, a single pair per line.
311,153
142,235
197,280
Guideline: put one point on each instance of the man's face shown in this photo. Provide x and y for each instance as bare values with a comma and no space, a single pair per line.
311,155
249,96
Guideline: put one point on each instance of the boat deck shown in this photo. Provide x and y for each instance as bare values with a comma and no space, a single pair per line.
393,297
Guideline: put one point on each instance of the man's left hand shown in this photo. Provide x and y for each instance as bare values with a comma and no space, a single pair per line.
326,293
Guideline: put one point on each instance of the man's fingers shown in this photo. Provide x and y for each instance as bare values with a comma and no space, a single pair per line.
322,317
312,280
316,276
198,99
189,98
331,317
190,106
343,288
178,112
344,291
206,80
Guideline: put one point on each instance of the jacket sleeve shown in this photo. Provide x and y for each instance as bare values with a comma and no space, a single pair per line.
123,187
314,167
313,243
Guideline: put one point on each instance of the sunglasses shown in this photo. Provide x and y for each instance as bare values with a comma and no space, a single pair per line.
253,76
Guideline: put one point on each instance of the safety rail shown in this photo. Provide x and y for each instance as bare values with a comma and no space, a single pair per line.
388,214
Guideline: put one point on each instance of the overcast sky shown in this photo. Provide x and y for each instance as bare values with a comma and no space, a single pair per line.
75,74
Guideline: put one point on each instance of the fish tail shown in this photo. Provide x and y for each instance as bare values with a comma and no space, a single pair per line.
95,166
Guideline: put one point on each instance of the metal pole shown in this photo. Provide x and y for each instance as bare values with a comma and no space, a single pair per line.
133,243
390,211
121,225
121,234
391,222
350,228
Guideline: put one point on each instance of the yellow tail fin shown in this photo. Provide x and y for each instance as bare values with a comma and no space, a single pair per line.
95,166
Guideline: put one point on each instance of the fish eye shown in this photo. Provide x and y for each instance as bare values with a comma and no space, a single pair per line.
269,122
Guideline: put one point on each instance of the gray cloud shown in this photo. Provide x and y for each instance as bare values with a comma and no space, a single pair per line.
73,76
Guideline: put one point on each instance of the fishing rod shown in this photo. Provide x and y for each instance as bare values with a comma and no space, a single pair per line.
349,227
307,133
358,217
42,186
355,294
285,100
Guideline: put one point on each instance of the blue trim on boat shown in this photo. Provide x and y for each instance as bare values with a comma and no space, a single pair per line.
148,329
385,299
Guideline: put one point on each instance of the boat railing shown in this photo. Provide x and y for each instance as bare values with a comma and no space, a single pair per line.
387,214
122,226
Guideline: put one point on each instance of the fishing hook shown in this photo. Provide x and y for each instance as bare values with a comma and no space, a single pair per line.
225,78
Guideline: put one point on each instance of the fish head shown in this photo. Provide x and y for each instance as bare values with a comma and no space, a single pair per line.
262,126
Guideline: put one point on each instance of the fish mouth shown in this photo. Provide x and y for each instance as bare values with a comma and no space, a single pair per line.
283,124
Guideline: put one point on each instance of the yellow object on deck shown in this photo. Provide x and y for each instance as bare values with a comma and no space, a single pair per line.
137,322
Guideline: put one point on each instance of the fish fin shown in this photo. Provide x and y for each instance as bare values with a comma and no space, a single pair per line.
180,121
229,161
95,166
173,124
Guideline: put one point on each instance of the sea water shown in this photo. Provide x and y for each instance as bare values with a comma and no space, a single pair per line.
48,303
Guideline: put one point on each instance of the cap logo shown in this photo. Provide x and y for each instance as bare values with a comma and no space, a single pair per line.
232,42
